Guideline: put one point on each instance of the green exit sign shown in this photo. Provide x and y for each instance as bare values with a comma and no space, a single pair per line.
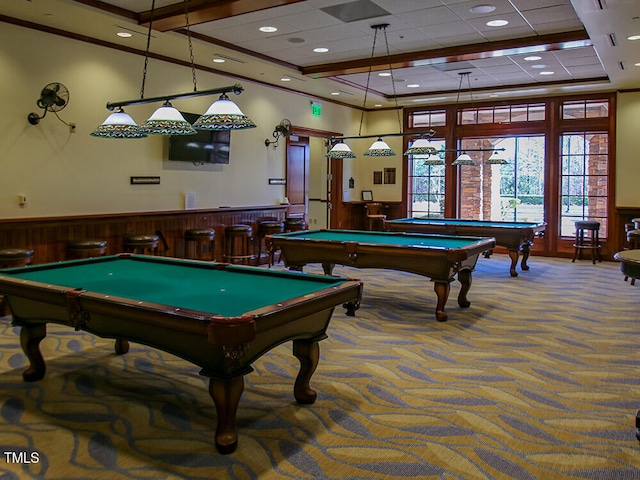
316,109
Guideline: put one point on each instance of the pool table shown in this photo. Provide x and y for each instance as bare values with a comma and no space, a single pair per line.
217,316
629,264
439,257
514,236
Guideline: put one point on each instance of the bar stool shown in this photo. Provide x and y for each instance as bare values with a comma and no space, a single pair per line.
15,257
633,239
204,241
86,248
294,224
373,214
141,243
10,258
590,242
237,243
268,227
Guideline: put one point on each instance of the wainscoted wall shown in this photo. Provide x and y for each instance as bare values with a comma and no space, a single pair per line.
48,237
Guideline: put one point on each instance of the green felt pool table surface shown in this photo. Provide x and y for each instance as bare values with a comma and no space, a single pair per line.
438,257
228,292
217,316
384,238
516,237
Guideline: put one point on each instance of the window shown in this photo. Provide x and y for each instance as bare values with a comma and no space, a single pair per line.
427,180
585,109
559,162
584,180
502,114
510,192
431,118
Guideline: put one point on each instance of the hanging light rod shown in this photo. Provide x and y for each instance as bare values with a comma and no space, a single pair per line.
237,89
430,133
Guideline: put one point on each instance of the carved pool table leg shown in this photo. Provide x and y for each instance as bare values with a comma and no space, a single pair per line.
121,346
226,397
442,292
327,268
514,254
30,337
464,277
308,353
526,250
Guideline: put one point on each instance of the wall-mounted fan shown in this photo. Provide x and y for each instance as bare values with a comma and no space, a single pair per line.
53,98
283,129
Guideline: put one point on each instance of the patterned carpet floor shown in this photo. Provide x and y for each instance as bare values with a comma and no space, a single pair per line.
538,379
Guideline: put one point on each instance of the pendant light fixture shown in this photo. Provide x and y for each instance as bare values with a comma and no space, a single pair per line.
118,125
496,159
223,114
167,120
463,158
421,146
379,148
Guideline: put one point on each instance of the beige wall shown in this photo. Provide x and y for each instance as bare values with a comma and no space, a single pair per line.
628,150
63,173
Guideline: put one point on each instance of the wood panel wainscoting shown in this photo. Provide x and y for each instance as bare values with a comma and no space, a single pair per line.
48,236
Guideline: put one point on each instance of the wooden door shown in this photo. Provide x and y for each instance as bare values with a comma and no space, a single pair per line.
297,190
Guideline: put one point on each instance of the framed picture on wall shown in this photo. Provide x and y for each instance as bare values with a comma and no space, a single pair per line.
367,195
390,175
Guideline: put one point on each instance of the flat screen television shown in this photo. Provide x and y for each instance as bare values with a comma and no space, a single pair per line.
206,146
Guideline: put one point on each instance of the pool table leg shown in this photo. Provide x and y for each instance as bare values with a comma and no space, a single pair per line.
308,353
327,268
30,337
514,254
226,397
526,250
121,346
442,292
464,277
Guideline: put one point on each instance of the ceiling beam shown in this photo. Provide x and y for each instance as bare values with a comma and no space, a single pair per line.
172,17
476,51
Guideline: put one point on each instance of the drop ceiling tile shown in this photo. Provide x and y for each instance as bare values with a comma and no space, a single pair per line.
395,7
525,5
506,33
428,17
540,16
463,10
480,24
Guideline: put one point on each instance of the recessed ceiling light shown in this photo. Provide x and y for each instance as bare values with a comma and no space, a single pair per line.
378,105
413,85
219,60
296,40
547,73
124,34
637,64
384,74
335,93
634,37
321,50
538,65
482,9
268,29
532,58
285,79
497,23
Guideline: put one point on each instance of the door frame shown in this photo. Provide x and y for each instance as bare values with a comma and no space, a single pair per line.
333,199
